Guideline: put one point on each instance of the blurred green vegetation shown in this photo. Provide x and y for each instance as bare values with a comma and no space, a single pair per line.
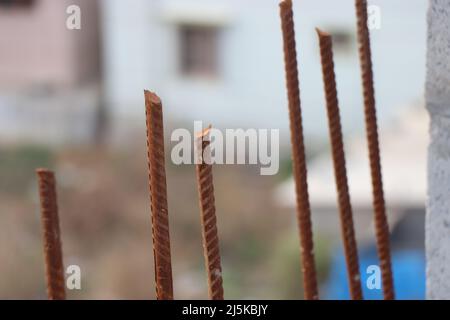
285,170
314,147
259,244
287,264
18,165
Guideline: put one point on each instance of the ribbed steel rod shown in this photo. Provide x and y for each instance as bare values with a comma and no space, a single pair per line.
51,234
381,223
298,152
158,196
340,171
208,217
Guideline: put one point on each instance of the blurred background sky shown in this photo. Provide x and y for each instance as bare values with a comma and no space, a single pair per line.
72,100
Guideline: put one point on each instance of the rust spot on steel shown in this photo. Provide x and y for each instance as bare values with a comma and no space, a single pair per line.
298,152
208,217
381,224
158,196
337,146
52,236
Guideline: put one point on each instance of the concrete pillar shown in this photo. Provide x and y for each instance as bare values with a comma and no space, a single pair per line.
438,105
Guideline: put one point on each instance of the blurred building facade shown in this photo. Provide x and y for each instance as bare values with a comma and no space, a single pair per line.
221,61
48,74
38,49
403,146
218,61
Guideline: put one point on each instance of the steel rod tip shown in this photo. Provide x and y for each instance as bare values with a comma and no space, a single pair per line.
286,4
152,97
205,132
322,34
43,171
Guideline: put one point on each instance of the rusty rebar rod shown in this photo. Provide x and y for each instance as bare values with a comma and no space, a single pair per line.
208,217
298,152
158,196
340,171
51,235
381,223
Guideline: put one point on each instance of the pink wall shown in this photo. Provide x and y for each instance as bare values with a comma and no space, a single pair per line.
36,48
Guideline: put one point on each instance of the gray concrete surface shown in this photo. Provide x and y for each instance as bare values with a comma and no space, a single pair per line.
438,105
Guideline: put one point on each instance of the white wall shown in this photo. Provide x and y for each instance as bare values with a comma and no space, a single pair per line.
141,52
